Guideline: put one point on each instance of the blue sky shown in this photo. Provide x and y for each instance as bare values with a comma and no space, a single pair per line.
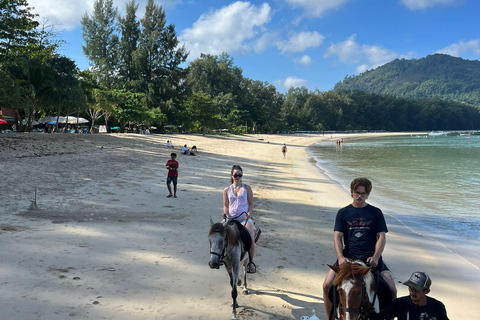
311,43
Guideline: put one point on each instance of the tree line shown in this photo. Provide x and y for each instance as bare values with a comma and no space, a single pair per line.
138,77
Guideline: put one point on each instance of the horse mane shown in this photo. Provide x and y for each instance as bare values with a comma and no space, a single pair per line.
349,270
230,231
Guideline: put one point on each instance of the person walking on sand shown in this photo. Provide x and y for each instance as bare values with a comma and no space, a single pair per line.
359,234
415,306
284,150
172,167
238,205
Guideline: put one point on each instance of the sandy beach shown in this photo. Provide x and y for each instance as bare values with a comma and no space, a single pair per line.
106,243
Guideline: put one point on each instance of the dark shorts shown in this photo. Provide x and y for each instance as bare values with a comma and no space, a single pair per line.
172,179
380,267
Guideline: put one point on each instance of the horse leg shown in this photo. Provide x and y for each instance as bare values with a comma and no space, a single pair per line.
244,268
233,283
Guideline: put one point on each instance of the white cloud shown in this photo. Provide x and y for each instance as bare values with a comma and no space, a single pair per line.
232,28
316,8
68,14
424,4
291,81
460,48
366,56
298,42
58,12
304,60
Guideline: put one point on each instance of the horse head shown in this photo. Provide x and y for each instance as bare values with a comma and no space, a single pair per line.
355,287
217,236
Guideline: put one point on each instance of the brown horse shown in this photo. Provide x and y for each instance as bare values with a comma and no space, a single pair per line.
226,247
356,290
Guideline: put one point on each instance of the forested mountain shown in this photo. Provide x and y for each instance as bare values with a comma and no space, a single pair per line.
435,76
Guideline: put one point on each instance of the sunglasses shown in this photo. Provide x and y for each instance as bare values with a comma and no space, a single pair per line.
238,175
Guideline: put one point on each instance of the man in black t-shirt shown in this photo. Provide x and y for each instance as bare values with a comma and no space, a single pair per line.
417,305
359,234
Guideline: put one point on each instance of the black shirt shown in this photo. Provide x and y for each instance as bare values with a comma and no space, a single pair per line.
404,307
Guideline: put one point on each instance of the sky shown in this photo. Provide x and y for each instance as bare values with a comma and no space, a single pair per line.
294,43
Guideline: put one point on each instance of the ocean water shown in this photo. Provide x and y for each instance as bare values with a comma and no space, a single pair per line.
430,184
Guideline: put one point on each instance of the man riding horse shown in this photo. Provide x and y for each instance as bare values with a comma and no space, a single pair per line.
360,234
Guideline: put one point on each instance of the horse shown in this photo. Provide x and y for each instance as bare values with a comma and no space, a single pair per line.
226,246
357,291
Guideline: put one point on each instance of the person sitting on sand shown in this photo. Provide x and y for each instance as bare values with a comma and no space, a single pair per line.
185,150
238,205
169,144
361,228
415,306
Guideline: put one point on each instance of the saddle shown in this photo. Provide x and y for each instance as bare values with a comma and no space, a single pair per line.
244,235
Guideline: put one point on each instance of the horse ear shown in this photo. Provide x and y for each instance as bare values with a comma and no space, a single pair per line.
211,221
364,271
334,268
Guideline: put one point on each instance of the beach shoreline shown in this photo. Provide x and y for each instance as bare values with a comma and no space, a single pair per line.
106,243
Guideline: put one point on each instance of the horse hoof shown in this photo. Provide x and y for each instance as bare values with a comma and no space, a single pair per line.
245,291
239,282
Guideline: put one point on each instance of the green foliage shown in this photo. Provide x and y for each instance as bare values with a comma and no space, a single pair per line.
102,41
438,75
17,27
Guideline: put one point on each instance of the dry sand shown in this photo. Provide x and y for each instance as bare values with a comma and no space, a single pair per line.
106,243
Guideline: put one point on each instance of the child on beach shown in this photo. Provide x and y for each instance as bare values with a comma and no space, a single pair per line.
172,167
359,234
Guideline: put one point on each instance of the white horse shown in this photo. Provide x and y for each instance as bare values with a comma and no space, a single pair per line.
226,247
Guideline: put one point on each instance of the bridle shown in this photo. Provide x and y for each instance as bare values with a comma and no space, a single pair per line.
361,311
222,255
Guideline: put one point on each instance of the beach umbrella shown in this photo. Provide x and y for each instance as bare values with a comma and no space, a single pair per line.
52,119
75,120
3,121
34,122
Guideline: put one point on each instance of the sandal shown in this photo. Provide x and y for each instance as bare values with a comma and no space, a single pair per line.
251,267
169,196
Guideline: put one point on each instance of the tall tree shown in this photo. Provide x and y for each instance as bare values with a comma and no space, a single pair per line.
159,57
101,41
17,27
130,33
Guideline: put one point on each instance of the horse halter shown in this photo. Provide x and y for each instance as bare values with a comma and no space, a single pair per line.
222,255
361,311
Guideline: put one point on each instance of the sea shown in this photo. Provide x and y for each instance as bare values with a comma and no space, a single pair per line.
431,184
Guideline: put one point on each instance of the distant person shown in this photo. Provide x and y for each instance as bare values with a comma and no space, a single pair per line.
172,167
147,131
359,234
194,149
417,305
185,150
284,150
169,144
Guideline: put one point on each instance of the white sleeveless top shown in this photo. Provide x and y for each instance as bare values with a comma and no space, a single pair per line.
237,205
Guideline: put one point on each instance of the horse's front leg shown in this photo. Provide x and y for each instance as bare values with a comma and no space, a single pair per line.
233,283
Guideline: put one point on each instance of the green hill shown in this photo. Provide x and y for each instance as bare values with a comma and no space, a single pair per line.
439,75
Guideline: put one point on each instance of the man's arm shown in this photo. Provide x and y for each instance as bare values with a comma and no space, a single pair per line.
379,247
338,245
